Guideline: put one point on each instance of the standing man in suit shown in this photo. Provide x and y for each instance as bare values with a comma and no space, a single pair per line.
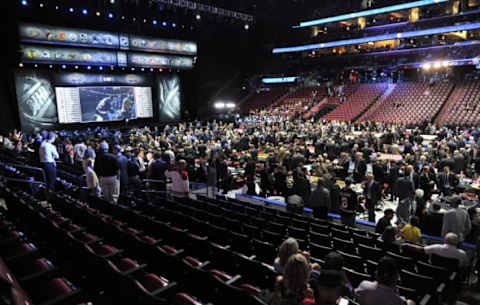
447,181
348,203
373,193
320,200
123,163
404,188
456,220
360,168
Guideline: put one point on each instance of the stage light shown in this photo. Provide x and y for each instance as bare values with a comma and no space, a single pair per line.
71,10
36,66
20,65
110,15
151,69
427,66
51,66
230,105
174,25
198,17
134,19
111,68
246,27
123,17
97,13
76,67
445,63
57,8
24,2
143,69
84,11
219,105
144,20
112,1
41,5
154,22
89,68
100,68
437,65
133,69
164,23
64,67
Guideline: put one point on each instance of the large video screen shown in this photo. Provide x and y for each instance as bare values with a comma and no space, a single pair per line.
103,104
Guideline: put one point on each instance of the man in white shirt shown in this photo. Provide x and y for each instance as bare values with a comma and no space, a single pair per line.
93,184
79,151
179,175
448,249
48,153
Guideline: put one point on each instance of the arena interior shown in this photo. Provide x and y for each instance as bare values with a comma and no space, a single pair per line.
190,152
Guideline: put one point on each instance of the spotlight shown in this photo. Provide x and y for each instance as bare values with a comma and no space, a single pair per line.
57,8
123,17
36,66
41,5
51,66
111,68
445,63
219,105
134,19
97,13
24,2
160,70
112,1
427,66
71,10
143,69
64,67
437,65
144,20
164,23
174,25
20,65
154,22
100,68
85,11
110,15
133,69
89,68
76,67
198,17
151,69
246,27
230,105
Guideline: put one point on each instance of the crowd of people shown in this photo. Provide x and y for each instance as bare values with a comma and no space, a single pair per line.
355,167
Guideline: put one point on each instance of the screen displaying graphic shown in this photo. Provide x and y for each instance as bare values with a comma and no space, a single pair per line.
169,98
45,34
162,45
103,104
159,61
54,55
36,100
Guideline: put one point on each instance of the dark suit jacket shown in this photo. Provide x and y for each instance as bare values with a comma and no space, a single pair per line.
404,188
432,224
442,180
376,192
320,198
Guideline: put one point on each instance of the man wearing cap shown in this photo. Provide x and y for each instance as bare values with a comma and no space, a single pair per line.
348,203
108,172
385,221
456,220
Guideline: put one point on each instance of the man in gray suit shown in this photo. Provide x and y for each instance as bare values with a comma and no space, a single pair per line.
456,220
320,200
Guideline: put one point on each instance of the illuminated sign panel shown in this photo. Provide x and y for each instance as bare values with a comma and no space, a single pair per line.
377,11
279,80
410,34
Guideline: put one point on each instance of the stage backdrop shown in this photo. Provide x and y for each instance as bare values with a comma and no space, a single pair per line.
47,99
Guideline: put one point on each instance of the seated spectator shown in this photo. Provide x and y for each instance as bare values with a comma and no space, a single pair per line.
288,248
328,288
447,249
433,220
334,261
292,288
385,221
411,231
383,290
389,238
